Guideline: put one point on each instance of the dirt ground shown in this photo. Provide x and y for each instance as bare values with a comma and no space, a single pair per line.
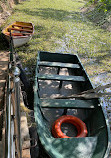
3,17
5,12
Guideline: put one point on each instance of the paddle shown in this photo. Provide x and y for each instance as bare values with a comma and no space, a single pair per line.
89,94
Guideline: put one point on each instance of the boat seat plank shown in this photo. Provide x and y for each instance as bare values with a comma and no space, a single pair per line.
58,64
66,103
20,30
24,26
16,34
61,77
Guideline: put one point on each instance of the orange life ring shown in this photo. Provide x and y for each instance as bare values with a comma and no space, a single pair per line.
79,124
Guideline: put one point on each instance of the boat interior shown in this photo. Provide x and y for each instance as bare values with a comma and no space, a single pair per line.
61,75
19,29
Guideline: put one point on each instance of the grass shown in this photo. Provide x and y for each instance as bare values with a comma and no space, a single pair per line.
61,26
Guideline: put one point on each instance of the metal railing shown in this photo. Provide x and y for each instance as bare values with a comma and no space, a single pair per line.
12,118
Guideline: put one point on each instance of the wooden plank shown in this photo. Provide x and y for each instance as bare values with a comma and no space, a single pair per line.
66,103
58,64
20,30
24,26
61,77
16,34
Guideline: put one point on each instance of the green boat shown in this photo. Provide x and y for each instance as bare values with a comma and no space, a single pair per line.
68,125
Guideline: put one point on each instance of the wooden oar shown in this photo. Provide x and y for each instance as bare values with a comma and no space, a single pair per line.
97,88
89,94
86,96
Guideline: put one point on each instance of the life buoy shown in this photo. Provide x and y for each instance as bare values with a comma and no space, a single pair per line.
79,124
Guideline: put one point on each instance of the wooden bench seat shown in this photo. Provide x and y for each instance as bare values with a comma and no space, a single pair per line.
24,26
66,103
16,34
20,30
61,77
58,64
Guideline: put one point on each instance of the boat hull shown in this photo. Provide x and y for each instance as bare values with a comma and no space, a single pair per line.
19,41
20,31
47,108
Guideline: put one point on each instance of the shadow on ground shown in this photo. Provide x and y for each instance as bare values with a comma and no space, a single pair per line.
3,42
54,14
